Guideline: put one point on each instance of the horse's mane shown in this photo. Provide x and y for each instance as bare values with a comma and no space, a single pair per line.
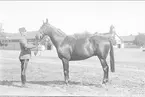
59,30
75,35
82,35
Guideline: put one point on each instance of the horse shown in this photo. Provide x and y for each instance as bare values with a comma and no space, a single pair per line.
72,48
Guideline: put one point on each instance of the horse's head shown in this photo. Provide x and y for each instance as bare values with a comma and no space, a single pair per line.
44,30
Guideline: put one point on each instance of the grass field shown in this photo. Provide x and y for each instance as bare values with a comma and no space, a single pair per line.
45,75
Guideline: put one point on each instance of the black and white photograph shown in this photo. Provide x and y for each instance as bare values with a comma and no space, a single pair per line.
72,48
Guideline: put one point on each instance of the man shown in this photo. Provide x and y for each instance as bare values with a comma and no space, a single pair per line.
25,53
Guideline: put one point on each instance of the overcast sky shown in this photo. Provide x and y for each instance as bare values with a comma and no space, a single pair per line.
128,17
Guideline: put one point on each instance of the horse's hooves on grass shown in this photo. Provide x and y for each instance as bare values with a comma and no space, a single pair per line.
105,86
105,81
23,86
67,82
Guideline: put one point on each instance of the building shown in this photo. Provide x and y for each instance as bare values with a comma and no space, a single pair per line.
128,41
11,41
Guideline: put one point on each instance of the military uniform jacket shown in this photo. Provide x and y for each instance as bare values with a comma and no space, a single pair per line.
25,48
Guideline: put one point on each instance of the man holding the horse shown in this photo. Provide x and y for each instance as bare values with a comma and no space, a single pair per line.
25,53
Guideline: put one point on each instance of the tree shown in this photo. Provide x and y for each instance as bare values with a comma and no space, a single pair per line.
3,41
139,40
1,28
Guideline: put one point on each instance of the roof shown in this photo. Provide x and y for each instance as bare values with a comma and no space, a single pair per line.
129,38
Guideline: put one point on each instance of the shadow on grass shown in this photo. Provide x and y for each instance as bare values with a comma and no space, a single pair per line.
10,83
56,82
46,83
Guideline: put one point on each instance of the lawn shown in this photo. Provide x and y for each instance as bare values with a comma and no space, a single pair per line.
45,75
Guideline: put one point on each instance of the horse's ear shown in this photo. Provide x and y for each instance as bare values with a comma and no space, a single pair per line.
46,20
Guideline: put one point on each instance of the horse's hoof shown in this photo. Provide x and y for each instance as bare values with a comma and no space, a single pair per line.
105,81
103,85
23,85
66,82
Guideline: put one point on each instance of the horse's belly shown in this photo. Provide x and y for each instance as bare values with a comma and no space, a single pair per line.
75,58
80,55
82,50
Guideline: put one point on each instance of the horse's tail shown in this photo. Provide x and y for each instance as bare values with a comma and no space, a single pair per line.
112,63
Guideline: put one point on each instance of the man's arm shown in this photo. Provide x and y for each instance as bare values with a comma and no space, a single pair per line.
26,45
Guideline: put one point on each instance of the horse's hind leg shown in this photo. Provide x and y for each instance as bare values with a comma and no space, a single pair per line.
66,69
105,69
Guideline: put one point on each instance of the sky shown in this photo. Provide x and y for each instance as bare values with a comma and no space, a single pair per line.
128,17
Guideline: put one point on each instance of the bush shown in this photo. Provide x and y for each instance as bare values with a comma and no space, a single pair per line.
139,40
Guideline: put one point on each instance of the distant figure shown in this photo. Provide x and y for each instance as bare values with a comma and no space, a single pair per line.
25,53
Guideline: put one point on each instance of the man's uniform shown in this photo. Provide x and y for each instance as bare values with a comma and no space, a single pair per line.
24,56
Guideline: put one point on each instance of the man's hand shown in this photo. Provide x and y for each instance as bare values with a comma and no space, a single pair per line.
41,47
35,52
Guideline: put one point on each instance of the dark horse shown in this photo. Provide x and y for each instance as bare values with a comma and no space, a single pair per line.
72,48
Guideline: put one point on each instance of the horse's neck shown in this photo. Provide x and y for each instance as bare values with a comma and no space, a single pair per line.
56,38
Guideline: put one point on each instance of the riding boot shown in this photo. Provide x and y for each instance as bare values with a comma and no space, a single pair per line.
23,79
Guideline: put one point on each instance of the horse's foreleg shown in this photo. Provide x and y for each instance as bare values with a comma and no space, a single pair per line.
105,69
66,69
